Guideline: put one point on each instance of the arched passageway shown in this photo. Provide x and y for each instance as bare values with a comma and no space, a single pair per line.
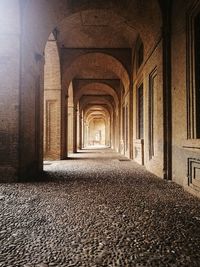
112,55
117,74
110,51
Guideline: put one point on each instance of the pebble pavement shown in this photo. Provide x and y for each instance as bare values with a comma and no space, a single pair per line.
94,210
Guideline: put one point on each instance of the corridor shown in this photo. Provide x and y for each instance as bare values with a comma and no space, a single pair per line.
98,209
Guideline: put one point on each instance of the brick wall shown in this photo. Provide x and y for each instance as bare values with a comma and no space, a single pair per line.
52,102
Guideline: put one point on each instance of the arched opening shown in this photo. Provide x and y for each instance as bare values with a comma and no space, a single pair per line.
92,41
101,89
93,77
97,126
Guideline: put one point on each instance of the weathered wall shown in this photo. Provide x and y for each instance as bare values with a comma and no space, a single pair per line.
10,51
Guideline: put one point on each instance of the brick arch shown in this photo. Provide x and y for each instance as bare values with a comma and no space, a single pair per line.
110,117
90,109
96,100
97,86
103,124
52,101
103,109
93,115
134,13
100,62
38,20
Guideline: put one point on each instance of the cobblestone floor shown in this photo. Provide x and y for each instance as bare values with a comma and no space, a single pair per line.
95,210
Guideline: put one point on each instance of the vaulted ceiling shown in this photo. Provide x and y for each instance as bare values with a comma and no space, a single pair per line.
97,40
96,29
